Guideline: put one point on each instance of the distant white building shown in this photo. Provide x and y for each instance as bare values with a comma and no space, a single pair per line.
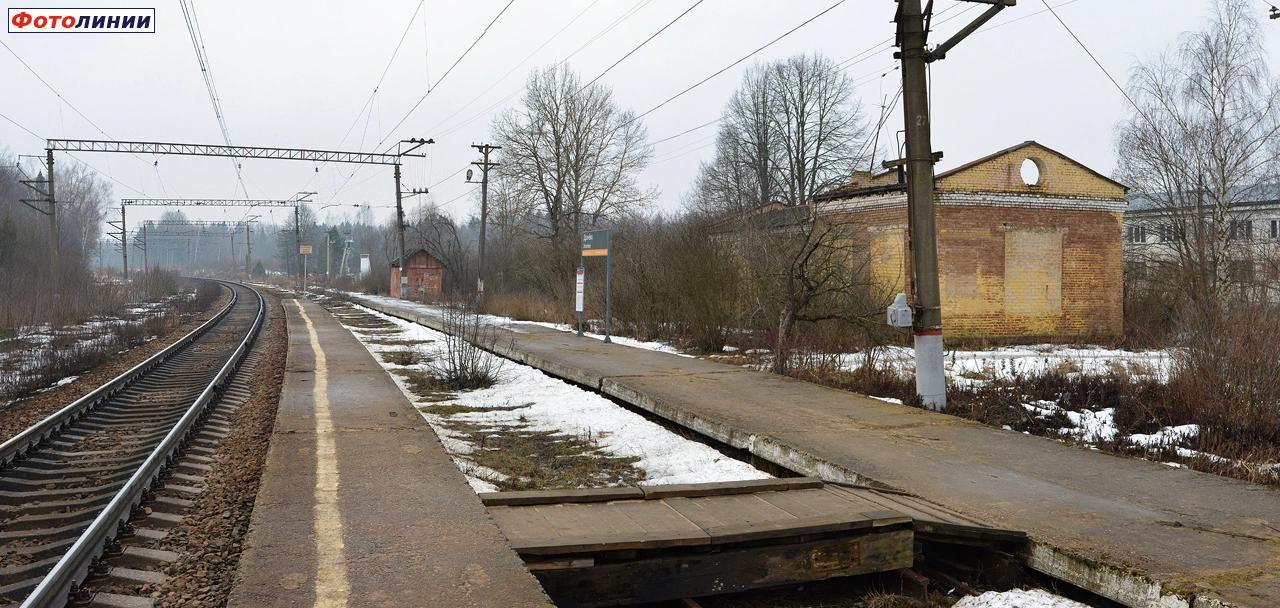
1239,240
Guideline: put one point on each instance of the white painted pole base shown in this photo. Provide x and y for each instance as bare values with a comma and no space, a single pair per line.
931,380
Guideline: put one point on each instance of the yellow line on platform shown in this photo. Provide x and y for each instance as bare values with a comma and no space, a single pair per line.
332,588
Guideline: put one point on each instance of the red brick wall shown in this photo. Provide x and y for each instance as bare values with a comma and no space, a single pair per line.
426,278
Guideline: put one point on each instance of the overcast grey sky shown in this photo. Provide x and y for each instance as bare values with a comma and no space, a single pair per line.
297,74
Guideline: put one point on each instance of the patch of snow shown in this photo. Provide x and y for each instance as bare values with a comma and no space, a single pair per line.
513,324
66,381
977,367
889,399
528,397
1017,598
1167,436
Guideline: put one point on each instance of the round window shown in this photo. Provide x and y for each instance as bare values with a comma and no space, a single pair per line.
1030,172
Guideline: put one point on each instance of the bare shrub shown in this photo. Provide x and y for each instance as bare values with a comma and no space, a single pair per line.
1227,378
466,363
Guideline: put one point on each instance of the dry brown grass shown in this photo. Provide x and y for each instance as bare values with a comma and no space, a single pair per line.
403,357
544,460
528,306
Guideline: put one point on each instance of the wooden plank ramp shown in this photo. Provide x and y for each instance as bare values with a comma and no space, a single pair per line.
618,546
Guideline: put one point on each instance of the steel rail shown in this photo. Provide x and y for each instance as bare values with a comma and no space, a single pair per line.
19,444
57,587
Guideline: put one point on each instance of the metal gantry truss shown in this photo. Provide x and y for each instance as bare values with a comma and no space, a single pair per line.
404,148
210,202
155,147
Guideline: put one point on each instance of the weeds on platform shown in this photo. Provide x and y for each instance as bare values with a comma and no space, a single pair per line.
465,362
530,459
423,385
404,357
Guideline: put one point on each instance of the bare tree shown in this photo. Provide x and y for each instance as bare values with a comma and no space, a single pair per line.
1203,140
804,269
437,233
791,130
570,158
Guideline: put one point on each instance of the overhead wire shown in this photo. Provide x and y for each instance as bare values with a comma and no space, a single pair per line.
446,72
206,72
740,60
626,15
367,109
641,45
514,67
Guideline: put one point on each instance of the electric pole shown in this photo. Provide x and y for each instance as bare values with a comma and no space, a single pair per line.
146,262
404,272
297,244
123,239
485,165
248,252
912,37
53,232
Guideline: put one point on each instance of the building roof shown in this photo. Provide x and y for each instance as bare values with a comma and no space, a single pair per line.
854,189
1243,197
408,254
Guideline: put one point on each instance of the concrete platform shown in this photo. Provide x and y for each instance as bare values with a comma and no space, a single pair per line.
360,505
1141,533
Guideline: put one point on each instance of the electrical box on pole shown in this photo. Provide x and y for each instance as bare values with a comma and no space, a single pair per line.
912,39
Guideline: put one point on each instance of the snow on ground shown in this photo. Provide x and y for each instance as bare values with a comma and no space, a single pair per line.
529,398
1017,598
31,347
970,367
513,324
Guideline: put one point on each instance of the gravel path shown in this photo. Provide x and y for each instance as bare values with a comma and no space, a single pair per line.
209,538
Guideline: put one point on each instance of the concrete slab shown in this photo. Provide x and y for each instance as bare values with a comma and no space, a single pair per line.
360,505
1141,533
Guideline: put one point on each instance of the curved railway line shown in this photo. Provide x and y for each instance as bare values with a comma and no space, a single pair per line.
71,484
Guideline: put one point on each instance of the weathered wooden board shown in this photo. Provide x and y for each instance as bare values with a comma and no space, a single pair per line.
616,519
724,488
548,497
732,570
928,519
581,528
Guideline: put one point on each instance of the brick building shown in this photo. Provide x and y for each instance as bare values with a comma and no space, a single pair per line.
426,276
1029,243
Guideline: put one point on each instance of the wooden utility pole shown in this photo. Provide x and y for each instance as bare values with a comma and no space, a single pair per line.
485,165
912,37
404,274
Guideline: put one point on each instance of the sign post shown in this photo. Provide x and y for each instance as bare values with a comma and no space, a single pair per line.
580,283
596,243
304,251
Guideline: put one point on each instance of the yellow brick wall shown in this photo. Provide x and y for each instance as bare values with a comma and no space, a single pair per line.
1059,176
1012,273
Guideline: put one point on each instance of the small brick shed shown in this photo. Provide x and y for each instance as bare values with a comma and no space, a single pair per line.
1029,243
426,276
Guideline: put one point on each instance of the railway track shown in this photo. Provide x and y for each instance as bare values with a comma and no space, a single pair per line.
70,485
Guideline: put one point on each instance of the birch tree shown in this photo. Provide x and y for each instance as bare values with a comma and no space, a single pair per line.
1203,139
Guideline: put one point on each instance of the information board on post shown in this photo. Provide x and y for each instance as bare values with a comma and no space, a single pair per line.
598,243
579,285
